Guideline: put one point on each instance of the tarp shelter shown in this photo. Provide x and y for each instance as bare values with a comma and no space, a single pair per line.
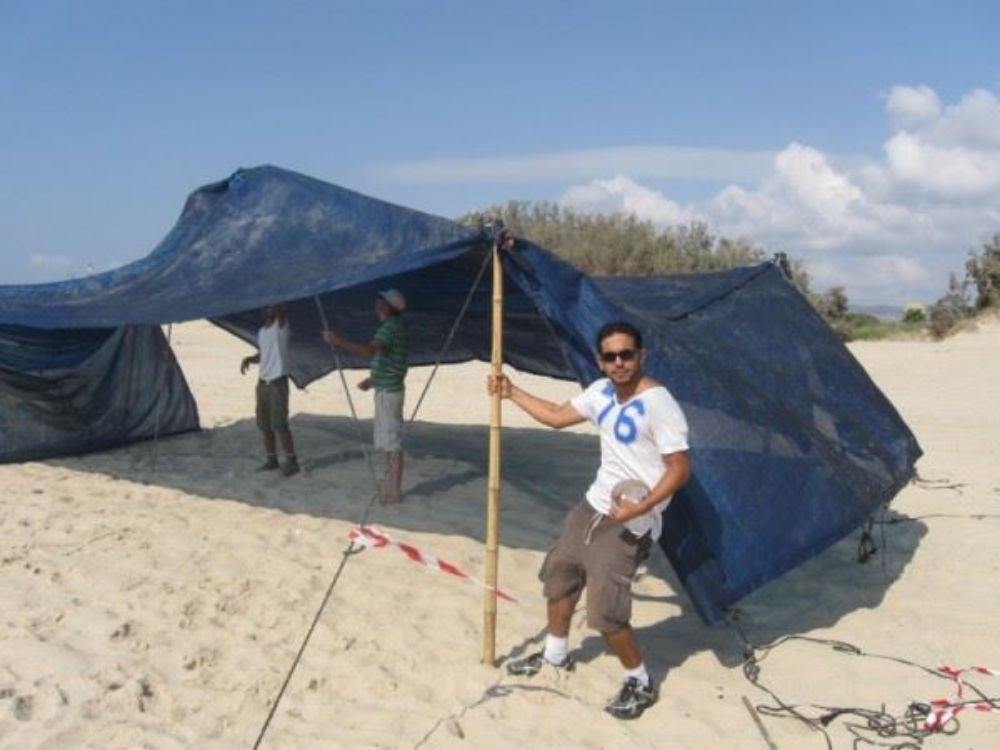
793,446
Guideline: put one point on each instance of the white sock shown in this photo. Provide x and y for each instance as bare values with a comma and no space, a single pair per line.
639,673
556,649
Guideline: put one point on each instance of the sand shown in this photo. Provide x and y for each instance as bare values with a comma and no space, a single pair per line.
156,596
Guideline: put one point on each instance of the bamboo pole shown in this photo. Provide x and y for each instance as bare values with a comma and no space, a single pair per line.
493,481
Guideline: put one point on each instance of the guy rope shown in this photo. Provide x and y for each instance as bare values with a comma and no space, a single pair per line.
354,546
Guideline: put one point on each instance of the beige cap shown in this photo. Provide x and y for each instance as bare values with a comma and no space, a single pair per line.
394,298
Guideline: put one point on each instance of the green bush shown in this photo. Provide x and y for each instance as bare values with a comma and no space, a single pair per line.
620,244
861,326
914,314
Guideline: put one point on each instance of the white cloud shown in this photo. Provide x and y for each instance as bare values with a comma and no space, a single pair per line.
50,267
974,122
869,279
623,194
908,270
950,152
888,230
950,172
646,162
908,106
50,263
888,227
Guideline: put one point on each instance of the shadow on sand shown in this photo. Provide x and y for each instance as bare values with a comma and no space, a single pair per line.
544,474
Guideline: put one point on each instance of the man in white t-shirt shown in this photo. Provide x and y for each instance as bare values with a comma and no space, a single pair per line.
272,388
606,536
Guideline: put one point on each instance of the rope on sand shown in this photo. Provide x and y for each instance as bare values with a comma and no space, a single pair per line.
288,678
906,732
353,547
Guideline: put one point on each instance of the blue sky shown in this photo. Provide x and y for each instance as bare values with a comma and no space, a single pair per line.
860,137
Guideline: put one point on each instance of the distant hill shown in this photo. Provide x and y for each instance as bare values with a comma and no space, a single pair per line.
892,313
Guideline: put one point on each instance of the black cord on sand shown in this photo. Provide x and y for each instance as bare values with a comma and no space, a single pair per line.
351,549
877,727
305,641
367,512
937,484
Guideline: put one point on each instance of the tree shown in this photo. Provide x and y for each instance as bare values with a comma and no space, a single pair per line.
621,244
983,271
951,309
832,304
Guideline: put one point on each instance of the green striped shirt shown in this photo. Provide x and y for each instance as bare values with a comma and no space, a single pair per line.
390,361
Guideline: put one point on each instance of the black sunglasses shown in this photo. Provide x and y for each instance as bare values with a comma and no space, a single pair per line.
625,355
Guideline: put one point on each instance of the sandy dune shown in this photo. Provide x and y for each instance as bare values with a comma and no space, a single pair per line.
156,596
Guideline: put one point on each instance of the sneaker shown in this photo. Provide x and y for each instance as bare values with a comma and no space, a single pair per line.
533,664
291,466
631,700
271,464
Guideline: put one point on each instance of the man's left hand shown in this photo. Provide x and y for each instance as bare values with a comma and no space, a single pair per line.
623,510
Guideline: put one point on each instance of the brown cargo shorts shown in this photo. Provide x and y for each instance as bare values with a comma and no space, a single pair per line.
595,553
272,405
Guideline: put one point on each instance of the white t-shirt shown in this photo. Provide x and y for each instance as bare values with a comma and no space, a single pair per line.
634,437
272,341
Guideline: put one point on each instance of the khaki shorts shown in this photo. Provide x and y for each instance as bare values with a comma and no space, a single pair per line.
272,405
388,427
603,561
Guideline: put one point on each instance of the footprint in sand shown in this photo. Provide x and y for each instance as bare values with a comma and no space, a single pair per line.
24,706
203,658
145,694
190,612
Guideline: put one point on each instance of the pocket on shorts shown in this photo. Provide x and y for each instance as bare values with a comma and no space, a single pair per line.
614,604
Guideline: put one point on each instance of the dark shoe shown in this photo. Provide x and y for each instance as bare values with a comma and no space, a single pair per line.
533,664
291,466
270,465
631,700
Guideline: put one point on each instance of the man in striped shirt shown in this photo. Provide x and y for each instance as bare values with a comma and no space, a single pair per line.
389,351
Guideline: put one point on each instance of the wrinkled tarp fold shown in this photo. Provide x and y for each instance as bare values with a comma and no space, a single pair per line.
66,392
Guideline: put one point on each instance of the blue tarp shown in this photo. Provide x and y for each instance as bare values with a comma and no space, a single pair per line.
793,446
72,391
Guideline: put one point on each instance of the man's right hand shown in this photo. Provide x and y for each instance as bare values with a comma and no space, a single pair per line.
499,384
247,361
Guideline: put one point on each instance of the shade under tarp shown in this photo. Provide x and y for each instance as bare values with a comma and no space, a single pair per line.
792,444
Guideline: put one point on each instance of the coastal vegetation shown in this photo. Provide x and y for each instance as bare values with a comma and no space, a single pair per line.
619,244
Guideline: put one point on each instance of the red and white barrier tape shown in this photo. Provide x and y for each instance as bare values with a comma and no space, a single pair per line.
945,710
368,536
